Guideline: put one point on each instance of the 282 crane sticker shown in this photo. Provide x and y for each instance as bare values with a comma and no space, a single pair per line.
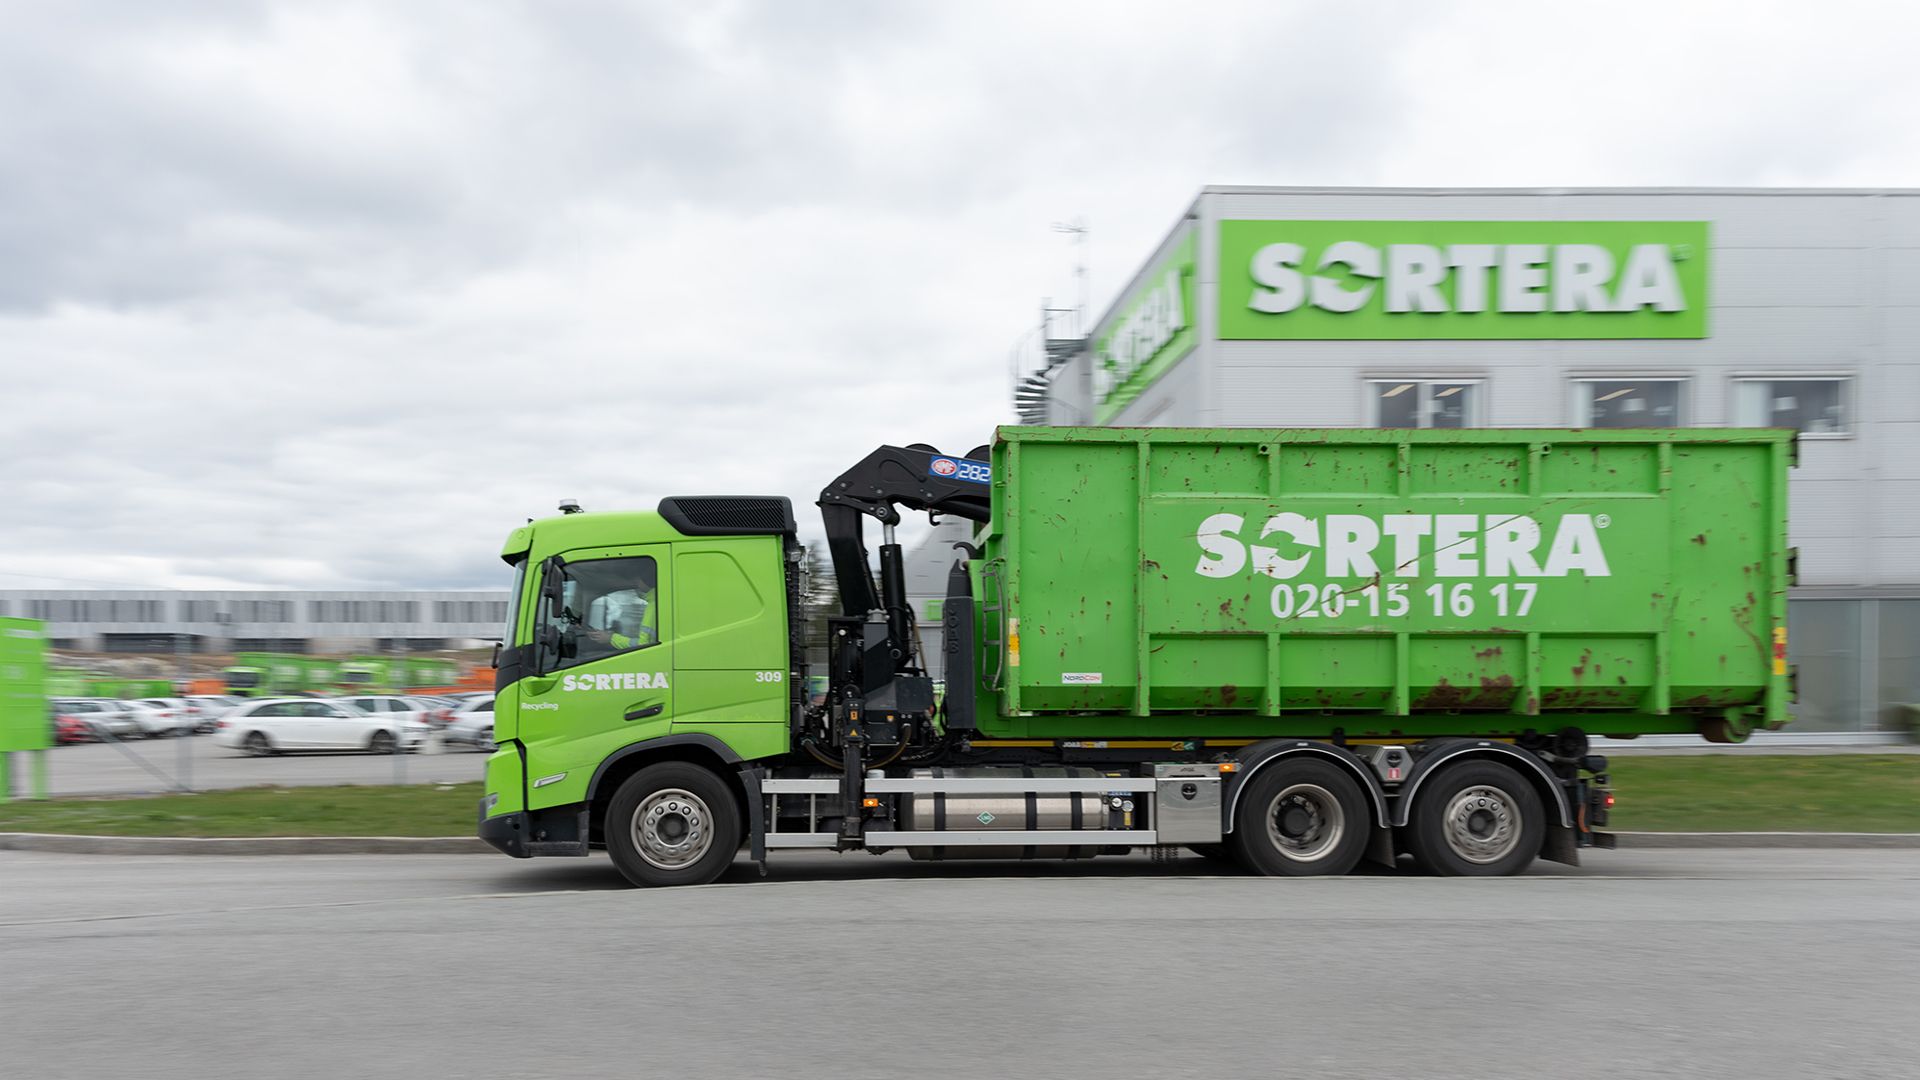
1325,566
973,472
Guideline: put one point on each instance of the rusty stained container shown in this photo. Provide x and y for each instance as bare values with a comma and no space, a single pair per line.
1185,582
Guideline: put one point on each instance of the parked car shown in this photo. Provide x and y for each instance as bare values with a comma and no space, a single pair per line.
472,723
405,708
211,708
186,713
92,720
273,725
159,719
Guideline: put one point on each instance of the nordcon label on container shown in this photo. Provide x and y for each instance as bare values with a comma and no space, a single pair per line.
1410,280
1152,333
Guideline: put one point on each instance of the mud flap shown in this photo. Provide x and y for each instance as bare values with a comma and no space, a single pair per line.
1562,845
1380,848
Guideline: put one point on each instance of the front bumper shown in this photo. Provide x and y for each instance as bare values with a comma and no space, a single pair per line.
523,834
508,832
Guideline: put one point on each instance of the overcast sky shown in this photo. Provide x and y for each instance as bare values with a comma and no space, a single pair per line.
332,295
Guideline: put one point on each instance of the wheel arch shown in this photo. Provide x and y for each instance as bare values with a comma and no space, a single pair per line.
1260,755
693,748
1545,784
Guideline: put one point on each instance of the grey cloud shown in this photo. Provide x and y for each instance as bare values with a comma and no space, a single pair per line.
333,295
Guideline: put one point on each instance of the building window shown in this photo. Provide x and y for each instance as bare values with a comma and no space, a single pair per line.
1417,403
1629,403
1811,406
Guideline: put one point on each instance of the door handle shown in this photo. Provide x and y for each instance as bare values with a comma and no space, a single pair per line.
645,711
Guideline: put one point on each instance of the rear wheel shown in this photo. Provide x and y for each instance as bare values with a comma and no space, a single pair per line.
381,743
1476,819
257,744
673,823
485,740
1301,817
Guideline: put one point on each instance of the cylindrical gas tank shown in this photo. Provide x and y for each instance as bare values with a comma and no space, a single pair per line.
1004,813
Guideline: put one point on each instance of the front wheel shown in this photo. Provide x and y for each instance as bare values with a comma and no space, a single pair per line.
1476,819
485,741
673,823
1301,817
381,743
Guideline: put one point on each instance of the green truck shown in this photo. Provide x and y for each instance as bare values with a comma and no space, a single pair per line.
386,674
1291,649
261,674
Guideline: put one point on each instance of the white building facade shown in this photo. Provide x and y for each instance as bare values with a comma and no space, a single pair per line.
1299,307
211,621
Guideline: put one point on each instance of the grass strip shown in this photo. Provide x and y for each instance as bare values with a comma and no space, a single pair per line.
1777,793
1708,793
405,810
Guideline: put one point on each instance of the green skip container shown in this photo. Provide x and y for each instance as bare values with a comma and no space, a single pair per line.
1385,584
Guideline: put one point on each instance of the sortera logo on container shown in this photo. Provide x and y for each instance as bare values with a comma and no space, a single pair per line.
1460,545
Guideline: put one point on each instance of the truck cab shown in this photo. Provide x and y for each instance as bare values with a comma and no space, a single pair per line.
637,639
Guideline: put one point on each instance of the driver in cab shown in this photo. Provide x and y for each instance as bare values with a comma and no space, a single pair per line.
619,621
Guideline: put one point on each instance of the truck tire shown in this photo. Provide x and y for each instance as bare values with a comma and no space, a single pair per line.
673,823
1301,817
1476,819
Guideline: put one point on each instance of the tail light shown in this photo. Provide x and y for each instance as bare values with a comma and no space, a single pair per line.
220,724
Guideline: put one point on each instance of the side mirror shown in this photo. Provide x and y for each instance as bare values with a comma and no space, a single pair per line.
553,582
496,656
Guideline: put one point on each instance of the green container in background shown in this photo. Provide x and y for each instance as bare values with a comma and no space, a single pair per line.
25,722
1173,582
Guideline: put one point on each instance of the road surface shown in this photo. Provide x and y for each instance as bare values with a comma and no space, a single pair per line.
1748,964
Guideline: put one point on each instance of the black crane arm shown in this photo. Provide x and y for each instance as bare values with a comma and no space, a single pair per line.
917,477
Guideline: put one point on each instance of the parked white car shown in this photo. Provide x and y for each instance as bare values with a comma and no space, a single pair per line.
273,725
398,707
211,708
96,718
472,723
187,713
161,717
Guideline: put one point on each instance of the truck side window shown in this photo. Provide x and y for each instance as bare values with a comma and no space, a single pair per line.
608,606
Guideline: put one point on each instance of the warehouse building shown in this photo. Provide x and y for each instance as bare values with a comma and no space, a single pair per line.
1323,307
193,621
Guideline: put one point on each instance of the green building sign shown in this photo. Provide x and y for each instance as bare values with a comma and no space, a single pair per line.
1411,280
1154,330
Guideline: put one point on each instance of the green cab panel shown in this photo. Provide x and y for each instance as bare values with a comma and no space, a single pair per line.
507,780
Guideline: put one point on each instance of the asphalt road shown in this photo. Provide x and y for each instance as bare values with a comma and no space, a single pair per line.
104,769
1748,964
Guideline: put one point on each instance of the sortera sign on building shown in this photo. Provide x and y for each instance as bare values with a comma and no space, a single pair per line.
1154,330
1462,279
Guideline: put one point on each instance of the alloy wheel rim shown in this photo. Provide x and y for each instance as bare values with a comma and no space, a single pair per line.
672,829
1305,822
1482,824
